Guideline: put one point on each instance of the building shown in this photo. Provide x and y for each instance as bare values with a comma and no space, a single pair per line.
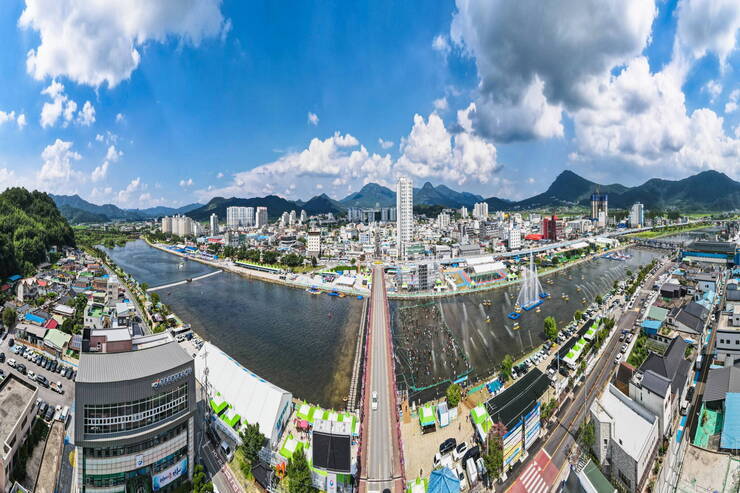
239,217
464,212
292,218
18,408
167,225
443,220
552,228
180,225
712,252
480,210
134,419
405,215
515,239
626,437
637,215
313,243
599,204
214,224
304,217
261,217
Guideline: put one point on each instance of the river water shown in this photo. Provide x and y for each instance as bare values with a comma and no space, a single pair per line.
301,342
441,340
306,343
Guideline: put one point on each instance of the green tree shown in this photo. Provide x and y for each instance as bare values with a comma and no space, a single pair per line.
493,457
144,286
252,441
269,256
454,394
551,328
599,300
506,365
292,260
9,317
155,298
314,262
200,481
299,475
252,255
609,323
578,315
586,434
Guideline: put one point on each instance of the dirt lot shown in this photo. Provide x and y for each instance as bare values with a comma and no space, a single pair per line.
709,471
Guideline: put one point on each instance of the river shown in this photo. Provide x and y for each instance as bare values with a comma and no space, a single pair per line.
301,342
443,339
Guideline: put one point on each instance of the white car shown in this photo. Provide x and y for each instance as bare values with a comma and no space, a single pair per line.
460,451
461,476
31,375
374,404
11,363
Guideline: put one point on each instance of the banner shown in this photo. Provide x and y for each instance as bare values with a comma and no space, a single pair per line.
167,476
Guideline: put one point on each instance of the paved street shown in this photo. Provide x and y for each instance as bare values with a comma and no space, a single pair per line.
380,471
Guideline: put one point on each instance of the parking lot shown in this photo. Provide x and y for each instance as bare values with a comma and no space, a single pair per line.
46,394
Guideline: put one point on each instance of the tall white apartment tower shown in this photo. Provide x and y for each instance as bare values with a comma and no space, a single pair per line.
214,224
167,225
261,217
404,214
637,215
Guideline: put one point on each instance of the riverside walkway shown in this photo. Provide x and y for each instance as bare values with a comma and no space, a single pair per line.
179,283
381,452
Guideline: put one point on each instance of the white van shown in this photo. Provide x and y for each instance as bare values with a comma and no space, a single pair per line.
227,451
472,472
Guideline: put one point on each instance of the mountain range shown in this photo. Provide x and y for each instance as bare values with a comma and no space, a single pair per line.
705,191
78,210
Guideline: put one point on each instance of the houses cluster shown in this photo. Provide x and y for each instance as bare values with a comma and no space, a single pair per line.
53,306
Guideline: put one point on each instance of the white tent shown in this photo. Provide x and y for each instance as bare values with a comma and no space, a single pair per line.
255,399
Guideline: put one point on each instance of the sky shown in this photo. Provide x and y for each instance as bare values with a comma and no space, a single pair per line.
142,103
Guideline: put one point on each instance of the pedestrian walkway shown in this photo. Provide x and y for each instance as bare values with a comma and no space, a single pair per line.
538,477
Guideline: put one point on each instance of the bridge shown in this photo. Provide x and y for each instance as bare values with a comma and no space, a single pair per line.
381,454
661,244
179,283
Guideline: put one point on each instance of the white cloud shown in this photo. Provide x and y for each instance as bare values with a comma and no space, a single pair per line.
732,101
111,156
313,118
708,26
441,44
186,183
93,42
219,175
440,104
99,138
385,144
86,116
526,79
714,89
7,178
120,117
57,170
123,198
9,117
63,107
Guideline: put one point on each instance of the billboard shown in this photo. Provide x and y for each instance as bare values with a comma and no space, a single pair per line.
513,447
532,426
162,479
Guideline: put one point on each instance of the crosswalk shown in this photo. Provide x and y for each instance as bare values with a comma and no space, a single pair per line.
532,479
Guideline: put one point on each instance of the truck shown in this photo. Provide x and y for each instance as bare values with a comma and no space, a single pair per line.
472,471
697,365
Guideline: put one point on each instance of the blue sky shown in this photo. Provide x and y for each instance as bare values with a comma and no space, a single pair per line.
142,103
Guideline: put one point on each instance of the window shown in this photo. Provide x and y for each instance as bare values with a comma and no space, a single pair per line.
127,416
134,448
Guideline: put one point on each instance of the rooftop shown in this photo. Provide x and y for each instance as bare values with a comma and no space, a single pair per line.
131,365
631,429
15,394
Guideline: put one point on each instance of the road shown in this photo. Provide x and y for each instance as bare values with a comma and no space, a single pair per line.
381,462
537,471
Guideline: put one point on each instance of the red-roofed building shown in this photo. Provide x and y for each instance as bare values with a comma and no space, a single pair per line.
51,324
4,287
533,237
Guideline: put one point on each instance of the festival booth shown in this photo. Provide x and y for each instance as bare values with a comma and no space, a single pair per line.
482,422
443,415
426,419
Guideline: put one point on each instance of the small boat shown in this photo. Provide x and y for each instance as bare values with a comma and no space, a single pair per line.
538,310
514,315
189,279
488,320
578,288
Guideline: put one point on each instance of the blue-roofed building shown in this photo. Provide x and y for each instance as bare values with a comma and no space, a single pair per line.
14,278
651,327
34,319
730,439
443,481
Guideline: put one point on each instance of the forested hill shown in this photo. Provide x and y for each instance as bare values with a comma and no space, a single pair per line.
30,224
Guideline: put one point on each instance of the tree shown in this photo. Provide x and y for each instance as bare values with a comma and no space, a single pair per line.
9,317
269,256
253,255
609,323
155,298
494,455
292,260
586,434
578,315
314,262
454,394
599,300
299,476
506,365
252,441
144,286
200,485
551,328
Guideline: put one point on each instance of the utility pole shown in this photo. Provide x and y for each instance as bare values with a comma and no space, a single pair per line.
206,393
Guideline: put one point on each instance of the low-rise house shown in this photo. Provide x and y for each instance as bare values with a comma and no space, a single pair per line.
626,438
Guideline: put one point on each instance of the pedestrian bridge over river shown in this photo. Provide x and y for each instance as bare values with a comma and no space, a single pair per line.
179,283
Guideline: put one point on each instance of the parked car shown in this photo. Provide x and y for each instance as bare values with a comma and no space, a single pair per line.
31,375
42,380
49,413
11,363
2,357
618,358
21,368
459,451
43,406
461,476
57,387
447,446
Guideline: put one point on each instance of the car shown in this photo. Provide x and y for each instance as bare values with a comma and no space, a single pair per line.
43,406
11,363
49,413
42,380
31,375
621,338
2,374
447,446
47,363
11,342
21,368
618,359
461,476
2,357
459,451
624,348
437,461
57,387
53,366
629,337
690,393
59,367
74,375
374,404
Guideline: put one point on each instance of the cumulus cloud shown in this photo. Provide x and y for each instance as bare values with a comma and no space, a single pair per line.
111,156
714,89
441,44
385,144
186,183
313,118
124,197
120,117
708,26
57,169
440,104
62,107
9,117
732,101
94,42
526,80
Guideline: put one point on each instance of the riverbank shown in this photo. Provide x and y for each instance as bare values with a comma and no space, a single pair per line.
655,234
